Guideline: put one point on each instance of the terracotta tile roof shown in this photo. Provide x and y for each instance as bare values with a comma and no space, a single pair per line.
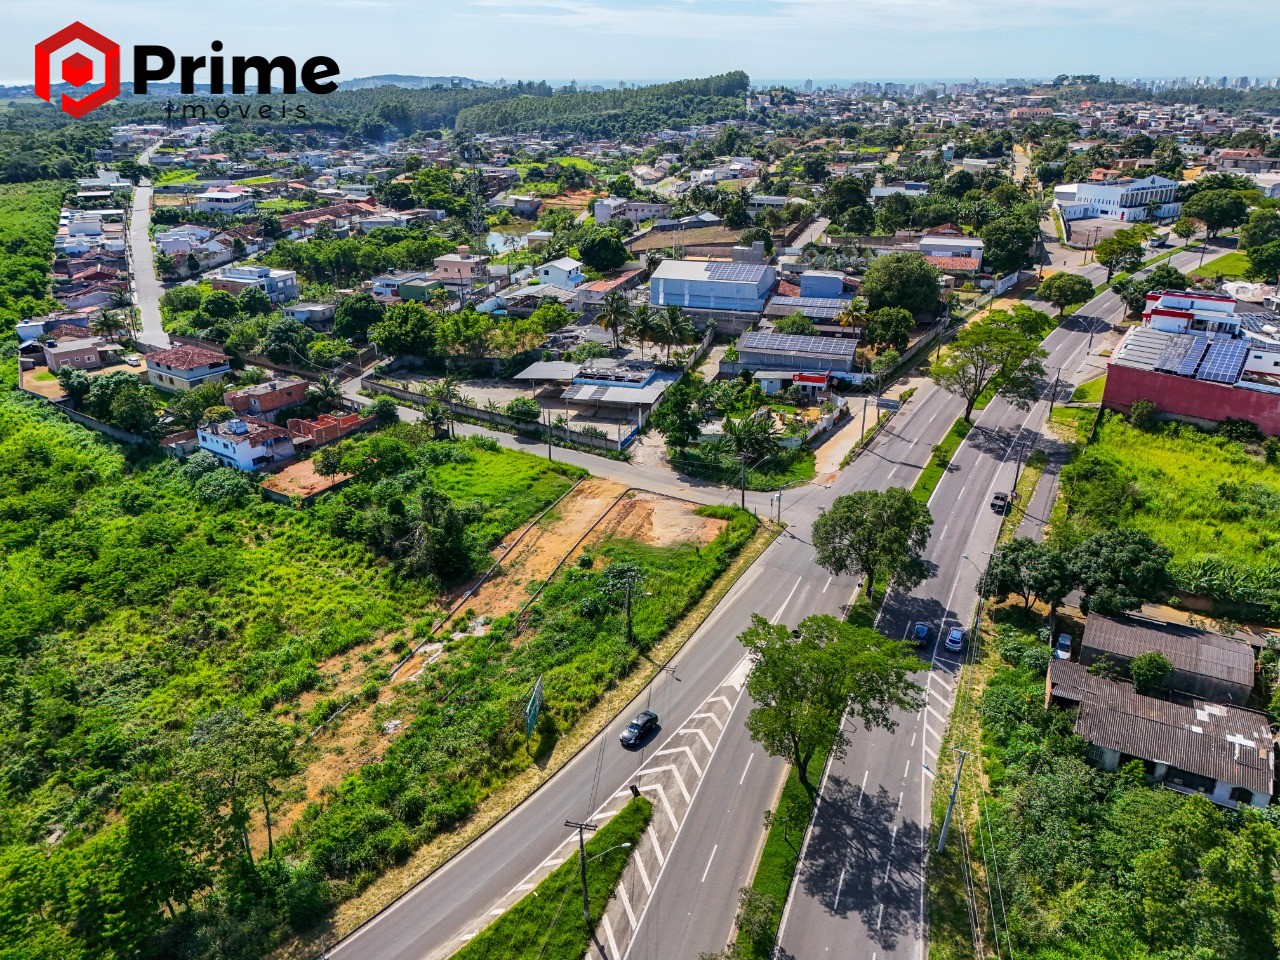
186,358
954,263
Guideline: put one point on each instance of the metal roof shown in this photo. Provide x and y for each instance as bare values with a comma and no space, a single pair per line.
1200,652
548,370
1213,740
1142,347
797,344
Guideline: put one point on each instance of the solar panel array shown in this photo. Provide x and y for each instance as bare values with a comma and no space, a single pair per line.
747,272
1174,352
1258,322
1195,353
822,308
1224,361
795,343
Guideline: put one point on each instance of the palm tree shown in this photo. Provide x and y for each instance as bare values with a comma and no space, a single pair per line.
442,393
855,314
108,325
614,314
642,326
437,417
752,438
121,298
674,327
652,260
327,390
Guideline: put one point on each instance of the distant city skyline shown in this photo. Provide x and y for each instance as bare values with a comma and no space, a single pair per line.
870,40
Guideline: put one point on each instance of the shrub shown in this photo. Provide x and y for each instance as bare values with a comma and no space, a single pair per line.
1142,414
525,409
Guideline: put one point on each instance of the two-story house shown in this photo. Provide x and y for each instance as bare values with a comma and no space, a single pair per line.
565,272
246,443
266,397
179,369
278,285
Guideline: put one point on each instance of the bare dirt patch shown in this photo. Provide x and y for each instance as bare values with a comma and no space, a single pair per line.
656,520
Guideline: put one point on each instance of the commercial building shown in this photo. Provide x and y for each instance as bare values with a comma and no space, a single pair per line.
1122,198
228,201
712,285
1191,311
637,211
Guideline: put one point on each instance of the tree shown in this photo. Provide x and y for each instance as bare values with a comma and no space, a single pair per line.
890,327
1064,289
383,409
1007,243
1216,209
1034,571
1149,671
642,325
813,169
355,315
1264,262
166,265
679,415
991,352
602,249
285,340
879,534
904,280
1263,227
525,409
795,323
1120,570
1133,290
254,302
1185,228
193,265
406,328
748,440
673,327
109,324
804,684
615,313
164,839
1121,251
75,383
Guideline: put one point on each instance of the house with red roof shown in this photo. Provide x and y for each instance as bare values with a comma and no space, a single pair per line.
184,368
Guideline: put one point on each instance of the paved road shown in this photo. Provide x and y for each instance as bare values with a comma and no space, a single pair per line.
873,814
142,263
860,883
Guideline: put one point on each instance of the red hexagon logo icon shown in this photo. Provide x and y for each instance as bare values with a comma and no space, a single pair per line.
77,69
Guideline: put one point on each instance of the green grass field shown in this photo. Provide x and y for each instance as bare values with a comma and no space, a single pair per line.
1232,266
1214,505
1090,391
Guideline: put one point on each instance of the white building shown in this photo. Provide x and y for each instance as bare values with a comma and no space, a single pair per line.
246,443
909,188
1184,311
637,211
1124,199
565,272
225,200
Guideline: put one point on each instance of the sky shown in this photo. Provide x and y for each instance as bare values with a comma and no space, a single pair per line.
594,40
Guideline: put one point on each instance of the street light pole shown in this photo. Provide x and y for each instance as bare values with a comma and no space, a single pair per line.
582,864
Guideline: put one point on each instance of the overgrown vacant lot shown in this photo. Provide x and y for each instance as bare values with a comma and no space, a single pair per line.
138,600
1214,503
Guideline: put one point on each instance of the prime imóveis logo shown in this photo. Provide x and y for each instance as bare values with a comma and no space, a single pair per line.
66,49
79,56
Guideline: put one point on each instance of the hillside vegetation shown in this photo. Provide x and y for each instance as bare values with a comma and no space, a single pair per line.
612,113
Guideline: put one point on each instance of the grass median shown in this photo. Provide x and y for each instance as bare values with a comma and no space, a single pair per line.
940,460
548,922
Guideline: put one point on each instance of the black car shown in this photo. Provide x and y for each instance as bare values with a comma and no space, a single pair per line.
1000,502
639,728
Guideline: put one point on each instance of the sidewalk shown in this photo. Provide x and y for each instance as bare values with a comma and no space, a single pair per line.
831,453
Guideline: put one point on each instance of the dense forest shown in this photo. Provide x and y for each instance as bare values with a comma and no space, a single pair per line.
613,113
28,221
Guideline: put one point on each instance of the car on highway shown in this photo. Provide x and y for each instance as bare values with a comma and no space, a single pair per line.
1062,649
920,634
999,501
955,640
639,728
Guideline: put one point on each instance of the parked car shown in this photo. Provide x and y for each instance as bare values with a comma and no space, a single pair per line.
639,729
921,634
955,640
999,502
1062,649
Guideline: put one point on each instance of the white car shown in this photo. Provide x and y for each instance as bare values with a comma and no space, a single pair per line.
955,640
1062,649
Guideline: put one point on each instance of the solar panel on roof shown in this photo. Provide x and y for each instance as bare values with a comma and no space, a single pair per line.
749,272
1195,353
1174,352
795,343
824,308
1224,361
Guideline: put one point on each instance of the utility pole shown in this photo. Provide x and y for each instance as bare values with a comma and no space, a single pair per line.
946,821
582,864
1017,466
546,417
1053,390
628,611
744,484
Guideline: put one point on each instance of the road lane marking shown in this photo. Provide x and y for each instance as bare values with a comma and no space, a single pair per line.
880,917
685,750
914,734
666,805
906,770
835,904
745,769
676,776
608,934
709,859
778,616
644,874
900,801
626,904
698,732
657,848
714,719
829,579
863,792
